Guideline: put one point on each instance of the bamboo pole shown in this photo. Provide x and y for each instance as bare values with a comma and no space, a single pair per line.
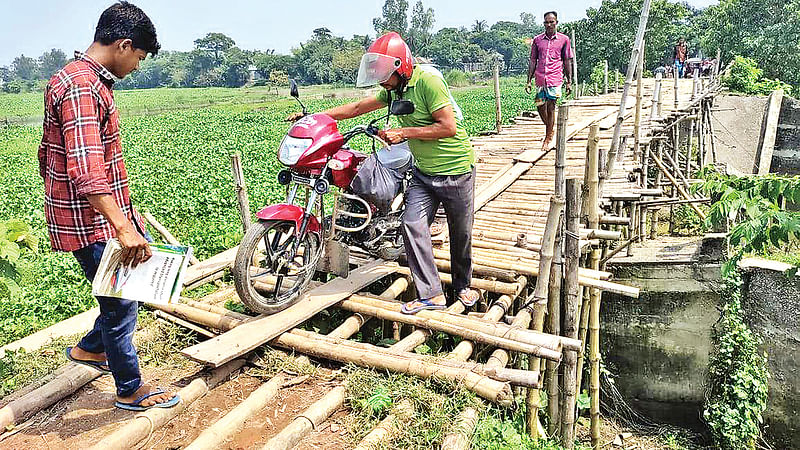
605,76
594,359
459,437
572,255
241,190
632,64
654,112
388,427
479,336
143,424
163,231
308,420
213,436
637,120
366,355
677,186
554,327
70,380
498,109
675,91
487,324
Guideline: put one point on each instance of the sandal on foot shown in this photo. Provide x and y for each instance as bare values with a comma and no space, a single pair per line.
425,304
136,405
102,366
469,297
437,228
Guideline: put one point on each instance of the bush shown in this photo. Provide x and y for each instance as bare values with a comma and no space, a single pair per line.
737,377
457,78
14,87
597,76
745,76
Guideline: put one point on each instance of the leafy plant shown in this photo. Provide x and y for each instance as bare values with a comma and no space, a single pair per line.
737,377
15,238
745,76
756,207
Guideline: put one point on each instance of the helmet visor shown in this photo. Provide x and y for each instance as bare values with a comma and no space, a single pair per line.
375,69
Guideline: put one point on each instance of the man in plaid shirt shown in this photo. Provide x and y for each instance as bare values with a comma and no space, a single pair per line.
87,201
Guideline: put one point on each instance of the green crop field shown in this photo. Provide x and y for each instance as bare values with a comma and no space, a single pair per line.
179,170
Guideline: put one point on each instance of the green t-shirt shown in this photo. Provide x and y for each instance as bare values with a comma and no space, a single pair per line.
428,90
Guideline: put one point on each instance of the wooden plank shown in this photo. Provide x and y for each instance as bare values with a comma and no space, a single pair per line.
210,266
769,131
246,337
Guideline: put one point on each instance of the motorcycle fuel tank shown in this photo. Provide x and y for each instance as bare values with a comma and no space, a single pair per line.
345,165
325,140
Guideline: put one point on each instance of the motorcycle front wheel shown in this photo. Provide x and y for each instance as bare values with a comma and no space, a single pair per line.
272,268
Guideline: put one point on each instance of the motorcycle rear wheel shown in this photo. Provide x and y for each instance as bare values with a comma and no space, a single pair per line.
266,279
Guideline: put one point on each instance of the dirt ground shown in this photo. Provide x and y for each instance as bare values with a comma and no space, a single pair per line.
82,419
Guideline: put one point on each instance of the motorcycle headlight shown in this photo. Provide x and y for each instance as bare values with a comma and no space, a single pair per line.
292,149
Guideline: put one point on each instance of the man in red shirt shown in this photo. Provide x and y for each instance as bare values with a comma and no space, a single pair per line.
87,201
551,63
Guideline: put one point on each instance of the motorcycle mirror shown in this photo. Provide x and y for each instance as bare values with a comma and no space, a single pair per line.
402,107
293,89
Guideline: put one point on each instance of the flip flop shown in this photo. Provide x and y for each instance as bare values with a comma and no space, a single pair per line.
468,292
102,366
426,304
136,405
437,228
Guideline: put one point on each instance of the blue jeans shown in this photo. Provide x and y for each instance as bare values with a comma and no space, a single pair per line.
113,329
680,68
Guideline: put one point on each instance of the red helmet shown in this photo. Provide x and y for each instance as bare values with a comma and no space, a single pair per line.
387,55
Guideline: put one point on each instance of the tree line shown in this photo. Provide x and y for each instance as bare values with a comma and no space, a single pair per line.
764,30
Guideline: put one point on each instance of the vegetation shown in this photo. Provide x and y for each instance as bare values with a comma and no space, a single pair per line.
738,377
745,76
756,208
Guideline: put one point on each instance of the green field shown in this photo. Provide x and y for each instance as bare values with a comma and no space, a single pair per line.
178,161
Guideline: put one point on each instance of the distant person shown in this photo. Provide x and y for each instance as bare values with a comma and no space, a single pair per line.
679,55
87,201
550,63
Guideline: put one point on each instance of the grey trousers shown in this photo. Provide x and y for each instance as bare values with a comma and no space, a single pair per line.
424,195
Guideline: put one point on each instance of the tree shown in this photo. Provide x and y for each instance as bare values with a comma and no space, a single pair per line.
51,62
236,67
479,26
216,43
394,17
25,68
322,33
419,34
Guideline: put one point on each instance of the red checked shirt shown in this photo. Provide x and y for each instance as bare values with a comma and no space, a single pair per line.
81,154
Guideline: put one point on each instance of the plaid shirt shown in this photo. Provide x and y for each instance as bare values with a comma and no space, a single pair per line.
81,154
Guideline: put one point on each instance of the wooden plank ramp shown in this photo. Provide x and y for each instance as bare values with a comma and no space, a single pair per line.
247,337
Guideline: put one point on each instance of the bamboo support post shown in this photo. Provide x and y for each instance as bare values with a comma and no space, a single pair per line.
605,76
163,231
675,91
654,108
388,427
143,424
241,190
498,110
677,186
570,330
632,226
594,359
637,121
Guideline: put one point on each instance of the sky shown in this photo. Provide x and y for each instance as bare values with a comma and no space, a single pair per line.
34,26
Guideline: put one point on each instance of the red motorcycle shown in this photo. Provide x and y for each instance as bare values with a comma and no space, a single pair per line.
281,252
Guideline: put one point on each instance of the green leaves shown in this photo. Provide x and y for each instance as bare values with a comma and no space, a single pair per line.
737,377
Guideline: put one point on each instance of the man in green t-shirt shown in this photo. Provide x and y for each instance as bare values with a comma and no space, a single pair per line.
444,171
